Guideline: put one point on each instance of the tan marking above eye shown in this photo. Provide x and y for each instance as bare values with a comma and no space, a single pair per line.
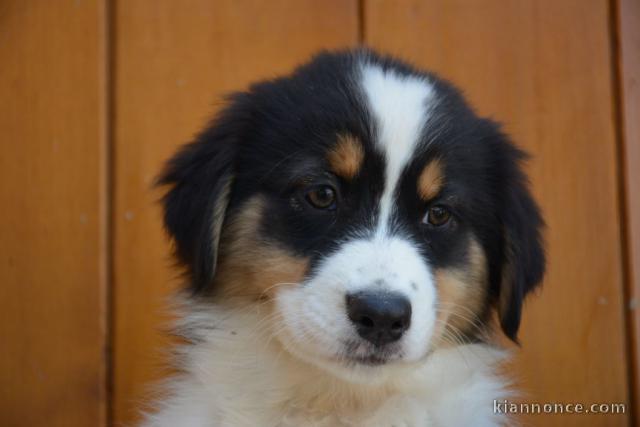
431,180
346,157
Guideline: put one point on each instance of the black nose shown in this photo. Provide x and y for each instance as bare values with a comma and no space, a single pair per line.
379,317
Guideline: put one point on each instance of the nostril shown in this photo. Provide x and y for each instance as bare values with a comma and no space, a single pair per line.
367,322
398,325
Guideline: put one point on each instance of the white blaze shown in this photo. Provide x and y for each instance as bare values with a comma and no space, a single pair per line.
400,106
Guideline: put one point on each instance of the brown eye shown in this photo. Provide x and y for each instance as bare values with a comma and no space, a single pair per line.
322,197
437,216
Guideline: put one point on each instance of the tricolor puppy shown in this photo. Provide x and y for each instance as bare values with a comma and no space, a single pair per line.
348,232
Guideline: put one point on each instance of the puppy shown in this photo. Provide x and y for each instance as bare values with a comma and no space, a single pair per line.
348,232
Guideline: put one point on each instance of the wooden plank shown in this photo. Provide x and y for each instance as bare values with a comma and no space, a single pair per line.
543,68
53,189
628,35
173,62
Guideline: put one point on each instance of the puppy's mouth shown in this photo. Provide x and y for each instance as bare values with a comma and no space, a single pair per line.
359,354
370,360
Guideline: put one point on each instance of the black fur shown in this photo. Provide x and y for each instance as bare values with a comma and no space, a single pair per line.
273,140
198,176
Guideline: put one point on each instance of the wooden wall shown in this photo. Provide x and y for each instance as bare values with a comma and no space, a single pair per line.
53,195
627,55
96,95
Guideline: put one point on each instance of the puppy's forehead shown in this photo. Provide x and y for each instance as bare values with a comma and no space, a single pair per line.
400,106
373,117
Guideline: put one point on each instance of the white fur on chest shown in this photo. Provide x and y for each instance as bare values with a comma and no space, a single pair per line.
235,376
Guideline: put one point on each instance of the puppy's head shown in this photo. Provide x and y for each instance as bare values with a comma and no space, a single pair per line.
366,205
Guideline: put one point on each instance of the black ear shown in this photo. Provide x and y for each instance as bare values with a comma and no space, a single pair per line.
201,177
523,258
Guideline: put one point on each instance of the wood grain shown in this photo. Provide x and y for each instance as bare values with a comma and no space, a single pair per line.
52,220
544,69
173,62
628,35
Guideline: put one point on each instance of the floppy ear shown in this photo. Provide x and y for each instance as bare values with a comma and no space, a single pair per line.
201,177
523,258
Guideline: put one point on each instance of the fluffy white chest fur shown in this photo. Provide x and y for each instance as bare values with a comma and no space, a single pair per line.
235,376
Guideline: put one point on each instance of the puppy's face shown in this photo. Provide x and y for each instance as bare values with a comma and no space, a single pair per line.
365,205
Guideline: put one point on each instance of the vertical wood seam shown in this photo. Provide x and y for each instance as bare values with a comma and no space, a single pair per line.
362,22
109,156
621,178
